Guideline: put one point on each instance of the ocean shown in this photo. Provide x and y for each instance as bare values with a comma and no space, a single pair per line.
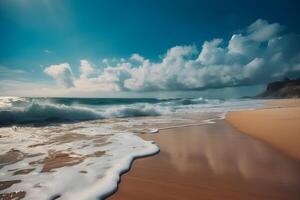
76,148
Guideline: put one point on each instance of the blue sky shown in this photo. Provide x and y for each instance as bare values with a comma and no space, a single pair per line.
63,47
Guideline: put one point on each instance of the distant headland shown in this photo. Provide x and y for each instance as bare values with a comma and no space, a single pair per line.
286,88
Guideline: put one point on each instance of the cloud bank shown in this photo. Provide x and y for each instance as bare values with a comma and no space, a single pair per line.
259,53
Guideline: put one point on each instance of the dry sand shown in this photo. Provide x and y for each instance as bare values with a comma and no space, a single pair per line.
278,126
211,162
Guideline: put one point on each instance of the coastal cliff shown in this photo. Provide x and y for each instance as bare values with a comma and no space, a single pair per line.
282,89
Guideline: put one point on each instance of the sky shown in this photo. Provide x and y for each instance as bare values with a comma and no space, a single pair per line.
143,47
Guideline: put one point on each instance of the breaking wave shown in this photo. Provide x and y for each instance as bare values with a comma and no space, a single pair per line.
37,112
14,110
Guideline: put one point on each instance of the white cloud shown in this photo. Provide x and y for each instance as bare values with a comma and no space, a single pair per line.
62,73
262,31
253,67
137,57
242,45
258,54
211,52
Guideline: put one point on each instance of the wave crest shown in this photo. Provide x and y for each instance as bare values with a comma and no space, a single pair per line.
47,110
41,112
134,111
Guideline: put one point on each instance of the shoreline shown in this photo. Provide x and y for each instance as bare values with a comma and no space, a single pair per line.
182,158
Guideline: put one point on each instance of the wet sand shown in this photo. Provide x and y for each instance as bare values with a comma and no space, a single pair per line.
213,161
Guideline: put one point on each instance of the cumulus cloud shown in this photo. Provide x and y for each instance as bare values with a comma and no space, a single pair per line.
260,53
137,57
211,52
62,73
262,31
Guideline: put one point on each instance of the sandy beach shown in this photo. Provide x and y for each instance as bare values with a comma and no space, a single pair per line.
219,161
278,126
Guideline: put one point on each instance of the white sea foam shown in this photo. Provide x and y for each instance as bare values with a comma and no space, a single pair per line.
103,173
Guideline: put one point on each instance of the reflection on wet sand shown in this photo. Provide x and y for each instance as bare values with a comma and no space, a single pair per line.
228,153
212,162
